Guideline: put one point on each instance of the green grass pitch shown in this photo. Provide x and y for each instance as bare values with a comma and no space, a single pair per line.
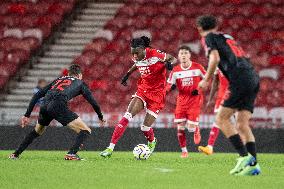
164,170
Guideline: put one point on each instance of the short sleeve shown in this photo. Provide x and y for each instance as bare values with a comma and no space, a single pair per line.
210,41
159,54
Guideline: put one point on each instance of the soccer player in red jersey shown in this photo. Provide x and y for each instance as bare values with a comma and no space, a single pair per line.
151,91
185,77
221,84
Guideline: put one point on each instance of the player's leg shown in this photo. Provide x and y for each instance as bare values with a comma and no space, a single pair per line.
135,106
60,111
223,120
36,132
83,132
213,135
182,139
193,128
43,120
148,130
193,124
242,121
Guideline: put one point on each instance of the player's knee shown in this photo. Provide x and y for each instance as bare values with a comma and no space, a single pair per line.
180,127
39,129
145,128
87,129
128,116
191,126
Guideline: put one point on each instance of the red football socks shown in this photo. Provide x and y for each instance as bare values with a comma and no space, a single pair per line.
213,135
148,133
119,130
181,138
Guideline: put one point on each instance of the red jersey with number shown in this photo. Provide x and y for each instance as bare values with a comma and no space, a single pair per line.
186,80
152,70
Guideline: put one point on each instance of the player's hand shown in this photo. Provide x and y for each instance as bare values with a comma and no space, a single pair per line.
102,123
169,66
203,85
194,92
124,79
24,121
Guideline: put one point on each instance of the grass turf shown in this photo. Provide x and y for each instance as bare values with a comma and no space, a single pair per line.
47,169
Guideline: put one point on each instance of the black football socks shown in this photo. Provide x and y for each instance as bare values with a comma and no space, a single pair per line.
238,144
26,142
251,149
82,135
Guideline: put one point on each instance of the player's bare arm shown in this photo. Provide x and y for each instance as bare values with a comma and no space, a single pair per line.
25,119
214,59
126,76
214,88
90,98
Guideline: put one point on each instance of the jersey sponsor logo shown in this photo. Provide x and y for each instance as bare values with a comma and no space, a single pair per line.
188,73
187,81
145,70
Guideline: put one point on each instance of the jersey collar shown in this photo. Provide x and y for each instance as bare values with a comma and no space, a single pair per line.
187,67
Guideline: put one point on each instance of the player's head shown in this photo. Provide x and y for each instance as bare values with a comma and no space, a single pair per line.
206,23
75,71
184,54
41,83
138,46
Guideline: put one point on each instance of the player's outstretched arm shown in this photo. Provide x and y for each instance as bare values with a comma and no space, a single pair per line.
87,94
214,59
41,93
126,76
214,88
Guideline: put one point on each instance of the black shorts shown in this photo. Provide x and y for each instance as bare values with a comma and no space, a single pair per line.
242,94
58,110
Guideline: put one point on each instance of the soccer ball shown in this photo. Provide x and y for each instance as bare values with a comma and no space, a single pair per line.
141,152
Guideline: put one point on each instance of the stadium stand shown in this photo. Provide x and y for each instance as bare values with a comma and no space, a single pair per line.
99,39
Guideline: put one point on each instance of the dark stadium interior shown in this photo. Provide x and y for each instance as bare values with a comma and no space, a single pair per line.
29,30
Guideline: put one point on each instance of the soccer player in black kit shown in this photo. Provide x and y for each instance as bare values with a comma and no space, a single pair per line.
55,106
223,51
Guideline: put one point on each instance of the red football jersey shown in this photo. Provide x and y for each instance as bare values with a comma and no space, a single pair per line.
152,70
186,80
223,84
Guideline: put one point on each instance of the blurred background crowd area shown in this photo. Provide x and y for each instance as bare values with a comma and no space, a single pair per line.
40,38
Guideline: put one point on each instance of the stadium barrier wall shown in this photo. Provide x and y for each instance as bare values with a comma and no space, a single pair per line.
61,138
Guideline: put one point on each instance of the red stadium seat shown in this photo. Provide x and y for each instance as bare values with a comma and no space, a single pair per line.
17,8
32,43
4,8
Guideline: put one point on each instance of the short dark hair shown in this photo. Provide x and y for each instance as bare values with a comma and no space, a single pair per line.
41,81
74,70
141,42
206,22
184,47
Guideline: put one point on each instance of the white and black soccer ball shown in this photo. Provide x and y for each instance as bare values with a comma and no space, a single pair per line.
141,152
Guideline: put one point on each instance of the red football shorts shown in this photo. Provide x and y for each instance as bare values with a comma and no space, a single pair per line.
154,102
190,115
